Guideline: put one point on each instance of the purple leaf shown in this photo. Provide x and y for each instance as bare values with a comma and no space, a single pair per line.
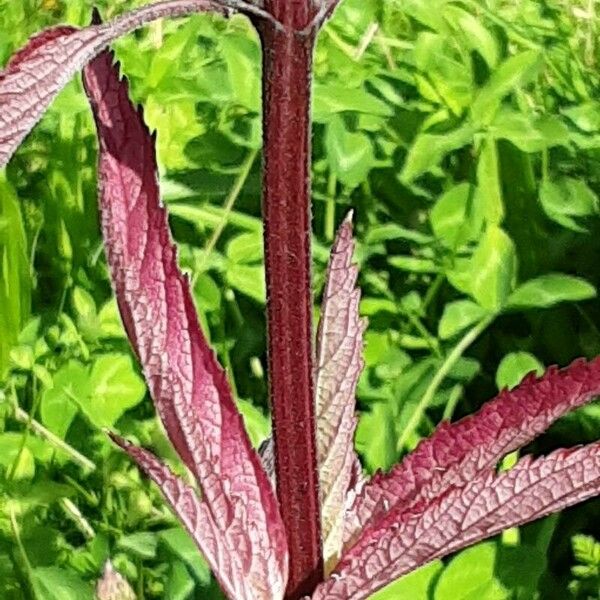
457,452
196,516
401,541
339,364
37,73
187,384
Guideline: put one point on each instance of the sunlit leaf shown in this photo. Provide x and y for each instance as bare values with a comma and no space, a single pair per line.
456,452
551,289
405,538
339,364
245,541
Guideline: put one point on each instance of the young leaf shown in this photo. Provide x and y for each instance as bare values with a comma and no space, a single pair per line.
457,452
187,383
339,364
401,541
36,74
113,586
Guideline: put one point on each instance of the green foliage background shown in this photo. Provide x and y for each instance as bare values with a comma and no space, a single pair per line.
466,136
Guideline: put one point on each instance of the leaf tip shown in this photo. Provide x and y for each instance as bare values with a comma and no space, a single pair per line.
96,18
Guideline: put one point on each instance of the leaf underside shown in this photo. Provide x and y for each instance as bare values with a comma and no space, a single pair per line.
248,547
405,539
457,452
339,364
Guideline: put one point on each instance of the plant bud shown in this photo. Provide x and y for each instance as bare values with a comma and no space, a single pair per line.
113,586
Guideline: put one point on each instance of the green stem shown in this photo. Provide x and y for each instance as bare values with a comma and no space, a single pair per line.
89,497
78,519
450,407
432,341
330,207
28,417
346,48
545,165
51,438
230,201
439,377
434,288
21,560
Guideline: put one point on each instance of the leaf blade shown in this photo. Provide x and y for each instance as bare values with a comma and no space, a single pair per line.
459,451
191,510
401,541
186,382
339,364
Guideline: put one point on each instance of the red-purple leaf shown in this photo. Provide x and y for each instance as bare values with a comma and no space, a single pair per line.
339,364
457,452
196,516
37,73
187,384
401,541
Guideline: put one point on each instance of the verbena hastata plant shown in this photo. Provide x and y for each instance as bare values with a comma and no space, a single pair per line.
320,529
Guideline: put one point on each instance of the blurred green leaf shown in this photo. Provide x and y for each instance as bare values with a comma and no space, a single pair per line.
414,264
54,583
181,544
514,72
566,200
417,585
489,195
180,584
493,269
551,289
376,437
470,576
332,99
246,248
586,116
59,404
249,280
429,149
514,366
141,544
458,316
350,154
242,56
454,218
115,387
258,425
528,133
474,33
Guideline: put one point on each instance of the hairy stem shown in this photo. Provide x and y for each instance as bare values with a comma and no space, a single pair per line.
287,62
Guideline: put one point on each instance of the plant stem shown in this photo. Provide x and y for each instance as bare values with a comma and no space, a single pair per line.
287,63
20,558
439,377
80,521
330,207
230,201
76,456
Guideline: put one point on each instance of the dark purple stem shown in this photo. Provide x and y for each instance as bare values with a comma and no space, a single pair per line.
287,63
